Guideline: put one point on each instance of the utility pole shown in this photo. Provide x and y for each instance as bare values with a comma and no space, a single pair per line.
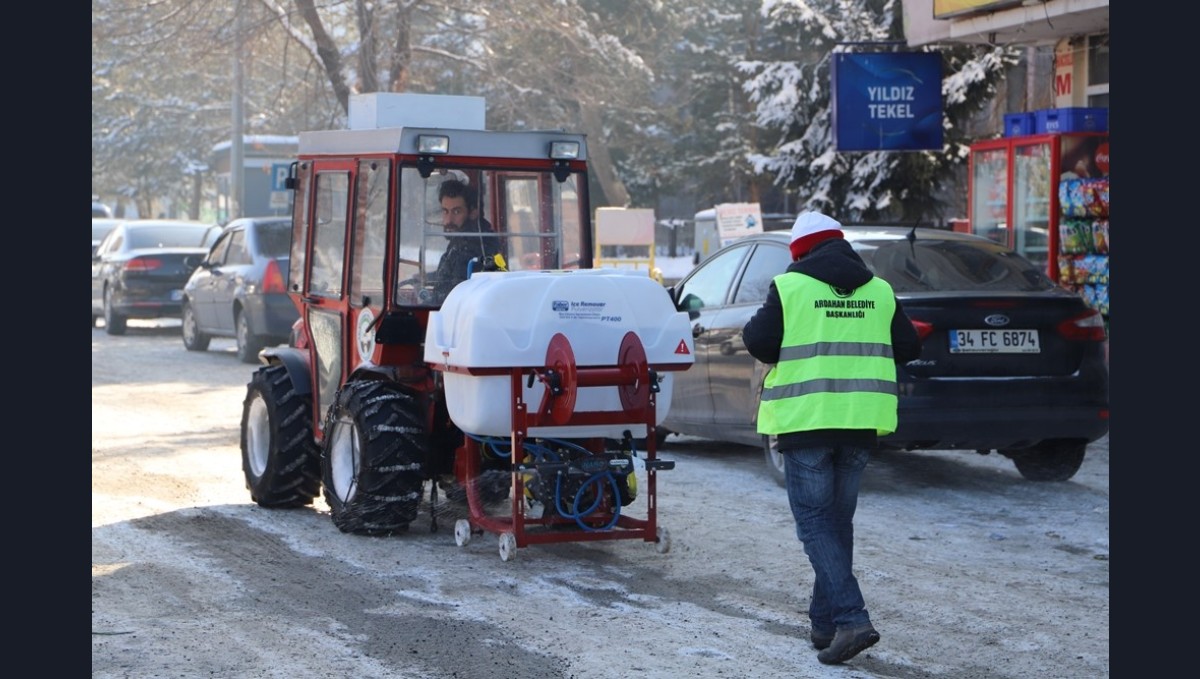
236,162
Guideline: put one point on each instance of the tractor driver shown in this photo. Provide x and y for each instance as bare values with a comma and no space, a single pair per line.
460,215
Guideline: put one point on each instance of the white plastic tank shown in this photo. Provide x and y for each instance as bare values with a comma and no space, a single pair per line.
507,319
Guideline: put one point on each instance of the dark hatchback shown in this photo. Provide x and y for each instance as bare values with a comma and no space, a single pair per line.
141,266
1010,361
240,289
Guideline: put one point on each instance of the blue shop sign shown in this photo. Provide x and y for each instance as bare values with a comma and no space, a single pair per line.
887,102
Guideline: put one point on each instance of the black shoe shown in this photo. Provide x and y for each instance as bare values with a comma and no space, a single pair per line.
820,640
847,643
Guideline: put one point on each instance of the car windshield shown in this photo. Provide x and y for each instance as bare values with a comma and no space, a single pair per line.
167,237
928,265
275,238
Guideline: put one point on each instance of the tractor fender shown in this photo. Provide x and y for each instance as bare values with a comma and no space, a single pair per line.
296,362
413,379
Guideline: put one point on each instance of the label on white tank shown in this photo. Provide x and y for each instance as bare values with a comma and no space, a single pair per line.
583,310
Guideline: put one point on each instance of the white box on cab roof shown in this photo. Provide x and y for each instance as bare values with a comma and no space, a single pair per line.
376,110
507,319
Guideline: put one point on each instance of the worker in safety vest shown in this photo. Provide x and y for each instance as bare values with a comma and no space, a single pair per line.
834,333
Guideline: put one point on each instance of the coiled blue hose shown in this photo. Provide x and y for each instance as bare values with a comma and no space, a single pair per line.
501,448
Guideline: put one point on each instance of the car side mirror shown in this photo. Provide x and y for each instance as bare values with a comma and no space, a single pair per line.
691,302
692,305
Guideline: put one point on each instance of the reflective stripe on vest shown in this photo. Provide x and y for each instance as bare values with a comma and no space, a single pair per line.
835,367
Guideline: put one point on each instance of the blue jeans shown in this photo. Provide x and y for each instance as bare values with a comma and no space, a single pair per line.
822,487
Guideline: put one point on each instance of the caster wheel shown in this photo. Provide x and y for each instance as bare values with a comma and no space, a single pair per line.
508,546
663,544
462,532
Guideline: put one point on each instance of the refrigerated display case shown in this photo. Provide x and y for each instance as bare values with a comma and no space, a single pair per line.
1046,196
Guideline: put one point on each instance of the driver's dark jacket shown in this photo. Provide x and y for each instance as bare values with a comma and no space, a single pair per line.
835,262
452,269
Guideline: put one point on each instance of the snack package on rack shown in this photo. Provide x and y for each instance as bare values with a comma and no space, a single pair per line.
1080,270
1096,267
1088,292
1100,236
1071,200
1095,197
1102,298
1066,270
1096,296
1074,236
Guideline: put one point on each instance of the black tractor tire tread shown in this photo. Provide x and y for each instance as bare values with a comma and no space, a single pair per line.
292,475
393,447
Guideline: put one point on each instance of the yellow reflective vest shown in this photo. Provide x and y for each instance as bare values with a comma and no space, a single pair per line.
835,367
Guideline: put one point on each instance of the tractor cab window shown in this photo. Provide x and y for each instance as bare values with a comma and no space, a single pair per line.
566,220
370,238
456,222
332,200
447,232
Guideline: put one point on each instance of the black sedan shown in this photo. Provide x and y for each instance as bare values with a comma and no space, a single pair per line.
100,228
240,289
139,269
1010,361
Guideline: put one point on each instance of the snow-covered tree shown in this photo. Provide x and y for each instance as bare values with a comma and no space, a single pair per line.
705,128
575,64
726,100
791,94
162,90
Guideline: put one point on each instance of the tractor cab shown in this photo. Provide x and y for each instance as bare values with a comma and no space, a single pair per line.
389,218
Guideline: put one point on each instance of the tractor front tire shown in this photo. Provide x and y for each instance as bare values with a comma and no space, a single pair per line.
372,464
280,460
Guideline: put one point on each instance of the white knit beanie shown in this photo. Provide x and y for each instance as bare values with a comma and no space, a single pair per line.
812,228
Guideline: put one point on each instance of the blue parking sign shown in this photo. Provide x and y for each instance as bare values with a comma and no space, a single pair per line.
279,175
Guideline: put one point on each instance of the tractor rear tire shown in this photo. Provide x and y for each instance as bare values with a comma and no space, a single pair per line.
372,464
279,458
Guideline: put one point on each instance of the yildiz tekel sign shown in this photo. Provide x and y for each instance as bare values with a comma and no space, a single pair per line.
887,102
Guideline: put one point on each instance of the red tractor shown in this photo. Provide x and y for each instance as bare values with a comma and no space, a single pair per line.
422,212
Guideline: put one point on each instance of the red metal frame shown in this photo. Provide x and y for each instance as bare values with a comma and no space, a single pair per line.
633,376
